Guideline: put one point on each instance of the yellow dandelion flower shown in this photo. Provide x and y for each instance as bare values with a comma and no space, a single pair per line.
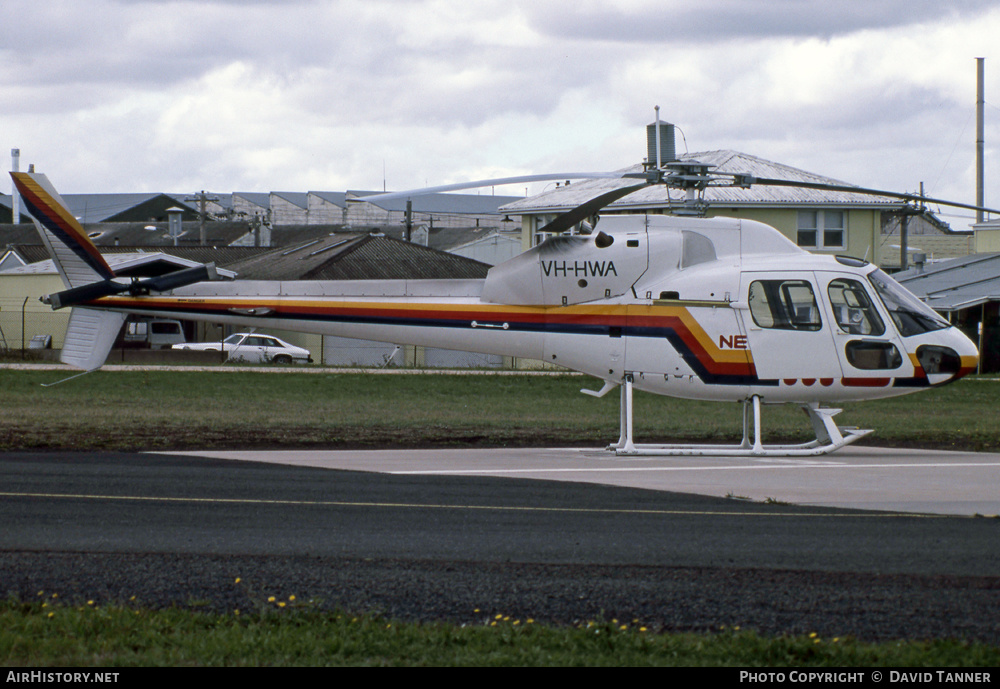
281,604
812,635
292,597
52,614
90,602
270,599
238,580
517,622
498,617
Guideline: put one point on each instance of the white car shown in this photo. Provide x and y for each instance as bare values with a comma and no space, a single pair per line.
253,348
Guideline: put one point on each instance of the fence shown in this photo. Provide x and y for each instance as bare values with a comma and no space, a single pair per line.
26,325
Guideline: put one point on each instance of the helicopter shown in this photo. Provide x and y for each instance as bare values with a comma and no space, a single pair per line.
718,309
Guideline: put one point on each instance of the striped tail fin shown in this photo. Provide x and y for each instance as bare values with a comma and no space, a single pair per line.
77,259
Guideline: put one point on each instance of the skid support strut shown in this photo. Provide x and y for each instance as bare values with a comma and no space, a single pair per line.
829,436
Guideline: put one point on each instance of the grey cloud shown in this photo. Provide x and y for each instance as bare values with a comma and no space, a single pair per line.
696,22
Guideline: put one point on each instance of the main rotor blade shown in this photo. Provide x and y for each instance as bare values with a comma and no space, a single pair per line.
862,190
582,212
476,184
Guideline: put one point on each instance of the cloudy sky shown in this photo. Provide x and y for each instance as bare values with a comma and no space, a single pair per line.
115,96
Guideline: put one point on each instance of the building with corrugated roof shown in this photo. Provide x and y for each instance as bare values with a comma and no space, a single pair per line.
435,210
358,256
967,291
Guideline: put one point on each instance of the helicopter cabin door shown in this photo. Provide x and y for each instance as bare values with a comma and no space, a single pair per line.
869,349
786,329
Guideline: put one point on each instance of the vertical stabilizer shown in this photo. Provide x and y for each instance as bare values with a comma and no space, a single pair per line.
89,337
77,259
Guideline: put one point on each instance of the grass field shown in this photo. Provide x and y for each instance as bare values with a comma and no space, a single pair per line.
146,410
120,636
158,410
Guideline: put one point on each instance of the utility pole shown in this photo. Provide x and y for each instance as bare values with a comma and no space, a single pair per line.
409,219
904,220
15,197
202,198
980,135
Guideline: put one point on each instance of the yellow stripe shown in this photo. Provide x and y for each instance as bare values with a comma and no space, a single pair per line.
50,203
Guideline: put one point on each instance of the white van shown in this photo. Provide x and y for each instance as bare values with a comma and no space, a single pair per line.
155,333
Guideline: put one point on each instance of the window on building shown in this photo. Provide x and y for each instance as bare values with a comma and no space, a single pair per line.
821,230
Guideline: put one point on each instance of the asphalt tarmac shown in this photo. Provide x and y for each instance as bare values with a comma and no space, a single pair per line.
433,535
911,480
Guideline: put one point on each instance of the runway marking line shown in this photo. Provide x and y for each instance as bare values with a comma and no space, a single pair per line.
502,508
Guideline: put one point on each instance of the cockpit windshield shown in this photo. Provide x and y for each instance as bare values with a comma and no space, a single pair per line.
910,315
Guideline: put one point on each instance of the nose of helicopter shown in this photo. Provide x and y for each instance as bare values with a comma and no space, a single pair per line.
952,356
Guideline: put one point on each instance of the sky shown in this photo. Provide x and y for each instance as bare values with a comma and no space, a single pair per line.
327,95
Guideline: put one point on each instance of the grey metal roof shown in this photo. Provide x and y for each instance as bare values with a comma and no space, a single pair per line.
100,207
337,198
296,198
445,238
221,256
572,195
358,257
262,199
125,264
472,204
23,233
217,233
955,284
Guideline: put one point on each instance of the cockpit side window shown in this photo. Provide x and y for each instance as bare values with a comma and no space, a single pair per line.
852,308
910,315
784,304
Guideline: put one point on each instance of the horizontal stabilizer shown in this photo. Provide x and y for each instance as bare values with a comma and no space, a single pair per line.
180,278
90,336
106,288
84,293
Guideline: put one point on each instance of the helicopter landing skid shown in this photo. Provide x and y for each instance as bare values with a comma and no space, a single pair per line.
829,436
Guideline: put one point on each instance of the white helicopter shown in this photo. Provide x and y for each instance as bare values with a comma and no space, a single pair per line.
711,309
